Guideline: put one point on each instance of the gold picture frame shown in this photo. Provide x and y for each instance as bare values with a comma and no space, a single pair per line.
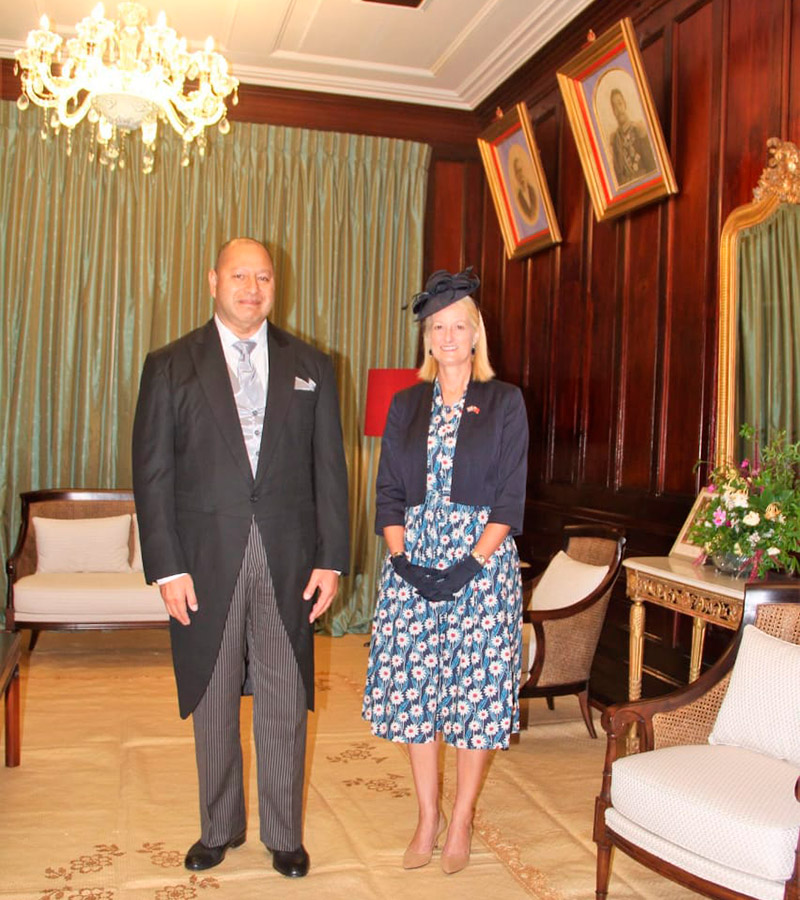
517,183
683,546
613,118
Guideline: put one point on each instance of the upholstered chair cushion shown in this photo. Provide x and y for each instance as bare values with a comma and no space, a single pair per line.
87,597
729,806
565,581
761,708
83,545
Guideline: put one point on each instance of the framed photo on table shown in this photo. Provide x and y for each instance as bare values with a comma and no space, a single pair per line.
682,546
517,183
612,116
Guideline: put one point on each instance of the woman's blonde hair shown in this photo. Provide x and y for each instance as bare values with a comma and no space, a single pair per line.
481,367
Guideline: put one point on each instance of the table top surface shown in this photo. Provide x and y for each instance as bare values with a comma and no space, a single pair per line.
10,650
677,568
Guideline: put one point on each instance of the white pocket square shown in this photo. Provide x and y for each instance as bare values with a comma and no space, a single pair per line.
300,384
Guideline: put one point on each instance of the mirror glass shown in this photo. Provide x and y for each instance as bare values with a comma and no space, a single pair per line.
758,380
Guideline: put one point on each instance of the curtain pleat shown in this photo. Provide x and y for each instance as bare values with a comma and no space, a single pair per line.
99,267
768,364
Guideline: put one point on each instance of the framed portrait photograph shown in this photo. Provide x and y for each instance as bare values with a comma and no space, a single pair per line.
517,183
682,546
612,116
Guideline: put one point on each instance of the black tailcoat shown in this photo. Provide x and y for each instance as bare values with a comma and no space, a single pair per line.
196,495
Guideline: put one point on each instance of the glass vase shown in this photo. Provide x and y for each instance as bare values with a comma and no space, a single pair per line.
731,564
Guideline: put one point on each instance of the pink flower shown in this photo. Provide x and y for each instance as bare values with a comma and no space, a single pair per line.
719,517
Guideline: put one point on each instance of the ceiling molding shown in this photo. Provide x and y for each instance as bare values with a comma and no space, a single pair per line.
447,53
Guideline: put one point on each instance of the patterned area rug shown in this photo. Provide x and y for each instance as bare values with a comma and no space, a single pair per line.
103,806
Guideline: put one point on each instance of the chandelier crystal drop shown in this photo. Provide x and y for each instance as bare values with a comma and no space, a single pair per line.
123,76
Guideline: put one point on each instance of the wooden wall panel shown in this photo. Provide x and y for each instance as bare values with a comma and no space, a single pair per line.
597,416
447,205
754,94
686,338
792,76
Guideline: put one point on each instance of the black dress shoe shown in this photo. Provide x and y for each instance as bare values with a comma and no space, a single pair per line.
201,857
291,863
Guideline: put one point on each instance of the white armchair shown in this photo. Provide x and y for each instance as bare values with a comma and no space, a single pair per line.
708,793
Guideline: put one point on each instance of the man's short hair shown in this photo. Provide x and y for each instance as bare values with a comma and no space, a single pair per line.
223,249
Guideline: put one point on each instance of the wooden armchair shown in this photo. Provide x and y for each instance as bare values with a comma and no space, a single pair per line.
708,798
566,621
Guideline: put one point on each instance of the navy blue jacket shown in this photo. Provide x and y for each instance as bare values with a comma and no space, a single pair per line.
491,457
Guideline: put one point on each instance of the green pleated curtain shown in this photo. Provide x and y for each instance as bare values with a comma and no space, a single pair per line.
768,336
98,267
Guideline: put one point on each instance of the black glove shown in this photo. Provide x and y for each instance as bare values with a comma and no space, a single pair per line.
452,579
426,581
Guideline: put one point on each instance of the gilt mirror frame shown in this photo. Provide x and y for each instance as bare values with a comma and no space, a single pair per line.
779,183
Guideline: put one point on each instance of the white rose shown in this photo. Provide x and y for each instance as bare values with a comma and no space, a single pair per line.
773,551
752,518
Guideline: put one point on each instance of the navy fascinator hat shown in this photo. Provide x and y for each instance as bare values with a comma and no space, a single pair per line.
442,289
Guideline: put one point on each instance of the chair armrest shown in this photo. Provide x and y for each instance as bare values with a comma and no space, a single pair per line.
685,716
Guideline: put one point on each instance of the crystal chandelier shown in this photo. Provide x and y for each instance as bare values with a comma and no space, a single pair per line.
122,76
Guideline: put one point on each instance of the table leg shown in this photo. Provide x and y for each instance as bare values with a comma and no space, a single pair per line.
698,640
636,650
12,720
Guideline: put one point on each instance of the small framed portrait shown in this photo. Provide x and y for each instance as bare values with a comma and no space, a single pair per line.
683,546
612,116
516,180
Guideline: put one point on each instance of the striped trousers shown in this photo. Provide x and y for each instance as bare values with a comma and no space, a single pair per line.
255,646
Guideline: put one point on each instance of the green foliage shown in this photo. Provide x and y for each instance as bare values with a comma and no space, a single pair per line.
753,508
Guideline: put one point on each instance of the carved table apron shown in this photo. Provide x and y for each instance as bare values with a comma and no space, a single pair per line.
677,584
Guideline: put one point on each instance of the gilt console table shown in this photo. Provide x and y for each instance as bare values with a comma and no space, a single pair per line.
677,584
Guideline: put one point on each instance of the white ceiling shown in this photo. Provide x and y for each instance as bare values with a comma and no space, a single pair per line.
445,53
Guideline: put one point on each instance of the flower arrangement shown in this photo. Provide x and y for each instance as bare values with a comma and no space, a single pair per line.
753,510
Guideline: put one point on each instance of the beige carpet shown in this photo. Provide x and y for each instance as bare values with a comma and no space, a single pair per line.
103,806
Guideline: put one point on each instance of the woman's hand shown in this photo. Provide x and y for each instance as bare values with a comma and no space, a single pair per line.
426,581
457,576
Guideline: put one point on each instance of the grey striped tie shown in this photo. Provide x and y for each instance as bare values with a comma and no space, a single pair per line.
247,375
250,400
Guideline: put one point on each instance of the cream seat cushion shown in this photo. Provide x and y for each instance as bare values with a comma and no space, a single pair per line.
87,597
83,545
565,581
729,806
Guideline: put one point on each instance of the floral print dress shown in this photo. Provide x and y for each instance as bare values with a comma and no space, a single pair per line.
450,668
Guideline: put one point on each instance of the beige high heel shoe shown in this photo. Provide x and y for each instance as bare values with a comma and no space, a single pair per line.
455,862
413,859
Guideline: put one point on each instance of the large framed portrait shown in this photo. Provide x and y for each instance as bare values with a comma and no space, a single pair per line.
517,183
612,116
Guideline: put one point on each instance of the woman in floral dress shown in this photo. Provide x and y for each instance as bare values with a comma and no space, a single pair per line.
445,652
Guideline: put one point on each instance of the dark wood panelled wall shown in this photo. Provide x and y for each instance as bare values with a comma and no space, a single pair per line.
612,334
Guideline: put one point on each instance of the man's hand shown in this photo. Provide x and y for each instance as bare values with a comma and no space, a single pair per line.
326,581
177,595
